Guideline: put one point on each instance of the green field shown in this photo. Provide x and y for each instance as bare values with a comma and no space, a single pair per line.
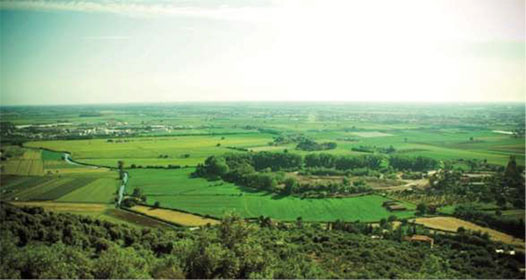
11,185
439,143
175,189
98,188
27,162
64,188
147,150
442,132
100,191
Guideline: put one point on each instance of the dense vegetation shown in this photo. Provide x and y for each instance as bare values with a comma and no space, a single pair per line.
311,145
255,170
514,227
38,244
502,187
414,164
342,162
264,171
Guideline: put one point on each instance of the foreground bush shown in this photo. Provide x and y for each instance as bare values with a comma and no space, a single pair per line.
39,244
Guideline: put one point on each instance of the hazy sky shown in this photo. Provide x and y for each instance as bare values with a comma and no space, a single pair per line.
63,52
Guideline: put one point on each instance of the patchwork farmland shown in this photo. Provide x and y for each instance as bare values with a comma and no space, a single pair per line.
298,179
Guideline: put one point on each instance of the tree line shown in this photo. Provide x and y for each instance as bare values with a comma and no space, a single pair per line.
514,227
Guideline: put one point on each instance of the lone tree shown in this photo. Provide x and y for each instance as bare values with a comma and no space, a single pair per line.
137,192
512,171
290,185
299,222
421,209
120,166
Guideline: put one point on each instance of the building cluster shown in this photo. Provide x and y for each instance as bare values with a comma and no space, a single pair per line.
87,130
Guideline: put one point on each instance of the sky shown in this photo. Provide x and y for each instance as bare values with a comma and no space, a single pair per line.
83,52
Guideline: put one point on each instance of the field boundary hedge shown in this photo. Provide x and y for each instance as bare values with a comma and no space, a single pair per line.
181,210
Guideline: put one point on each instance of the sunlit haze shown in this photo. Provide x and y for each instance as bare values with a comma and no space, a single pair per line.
72,52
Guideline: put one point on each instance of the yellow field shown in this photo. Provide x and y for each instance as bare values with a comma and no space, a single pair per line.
31,154
30,163
24,167
452,224
173,216
37,167
10,167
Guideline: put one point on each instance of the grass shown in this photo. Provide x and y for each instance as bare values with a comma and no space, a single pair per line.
364,208
36,189
514,214
432,136
450,209
70,188
441,143
62,189
101,190
367,134
61,180
438,143
53,162
51,156
509,214
33,162
155,182
37,168
26,162
176,217
175,189
11,186
146,150
452,224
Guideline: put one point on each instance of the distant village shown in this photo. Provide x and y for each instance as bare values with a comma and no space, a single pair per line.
66,130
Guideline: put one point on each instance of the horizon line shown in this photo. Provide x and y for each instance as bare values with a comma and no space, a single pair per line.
267,101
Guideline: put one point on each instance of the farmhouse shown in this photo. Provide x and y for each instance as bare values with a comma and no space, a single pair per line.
420,238
393,206
388,203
